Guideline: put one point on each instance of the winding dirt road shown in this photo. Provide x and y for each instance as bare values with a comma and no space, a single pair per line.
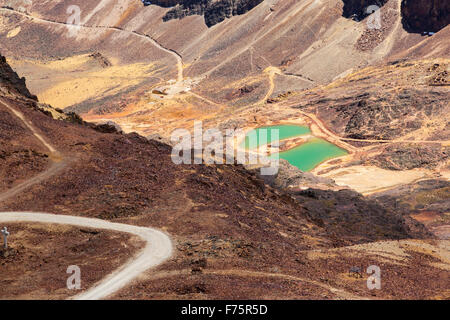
157,250
30,127
158,245
146,37
271,71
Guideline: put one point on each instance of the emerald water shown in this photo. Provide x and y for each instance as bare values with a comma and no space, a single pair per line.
310,154
305,156
285,131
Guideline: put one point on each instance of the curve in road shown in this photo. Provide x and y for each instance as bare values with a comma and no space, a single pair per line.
158,248
158,245
329,133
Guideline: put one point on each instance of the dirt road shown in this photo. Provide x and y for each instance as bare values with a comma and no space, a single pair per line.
157,250
116,29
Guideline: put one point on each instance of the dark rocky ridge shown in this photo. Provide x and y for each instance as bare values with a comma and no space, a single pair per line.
359,7
425,15
10,81
214,11
407,157
348,212
417,15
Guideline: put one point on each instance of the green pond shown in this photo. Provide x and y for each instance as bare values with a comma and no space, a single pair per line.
310,154
285,131
305,156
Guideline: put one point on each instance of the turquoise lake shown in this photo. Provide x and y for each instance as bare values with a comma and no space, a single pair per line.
305,156
310,154
285,131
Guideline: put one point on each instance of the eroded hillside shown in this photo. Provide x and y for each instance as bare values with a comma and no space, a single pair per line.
214,11
380,94
309,43
228,225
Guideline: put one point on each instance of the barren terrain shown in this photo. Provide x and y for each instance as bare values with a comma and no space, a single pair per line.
35,265
382,95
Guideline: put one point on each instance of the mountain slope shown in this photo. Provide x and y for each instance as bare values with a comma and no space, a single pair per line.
381,94
310,42
226,221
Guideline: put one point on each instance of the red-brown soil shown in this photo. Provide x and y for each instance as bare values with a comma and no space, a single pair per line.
228,225
39,255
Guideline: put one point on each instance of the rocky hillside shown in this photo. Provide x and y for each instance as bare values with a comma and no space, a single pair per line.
137,178
401,99
358,8
310,42
227,224
10,82
230,228
214,11
118,176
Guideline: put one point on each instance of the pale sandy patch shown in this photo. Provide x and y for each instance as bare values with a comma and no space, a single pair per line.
89,85
14,32
367,179
65,82
442,232
68,64
395,252
439,249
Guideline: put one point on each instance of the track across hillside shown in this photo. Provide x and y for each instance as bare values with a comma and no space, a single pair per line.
158,245
177,56
158,248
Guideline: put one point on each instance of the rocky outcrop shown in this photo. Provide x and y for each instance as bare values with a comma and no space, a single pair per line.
407,157
7,253
347,212
425,15
214,11
290,177
10,82
370,113
358,8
